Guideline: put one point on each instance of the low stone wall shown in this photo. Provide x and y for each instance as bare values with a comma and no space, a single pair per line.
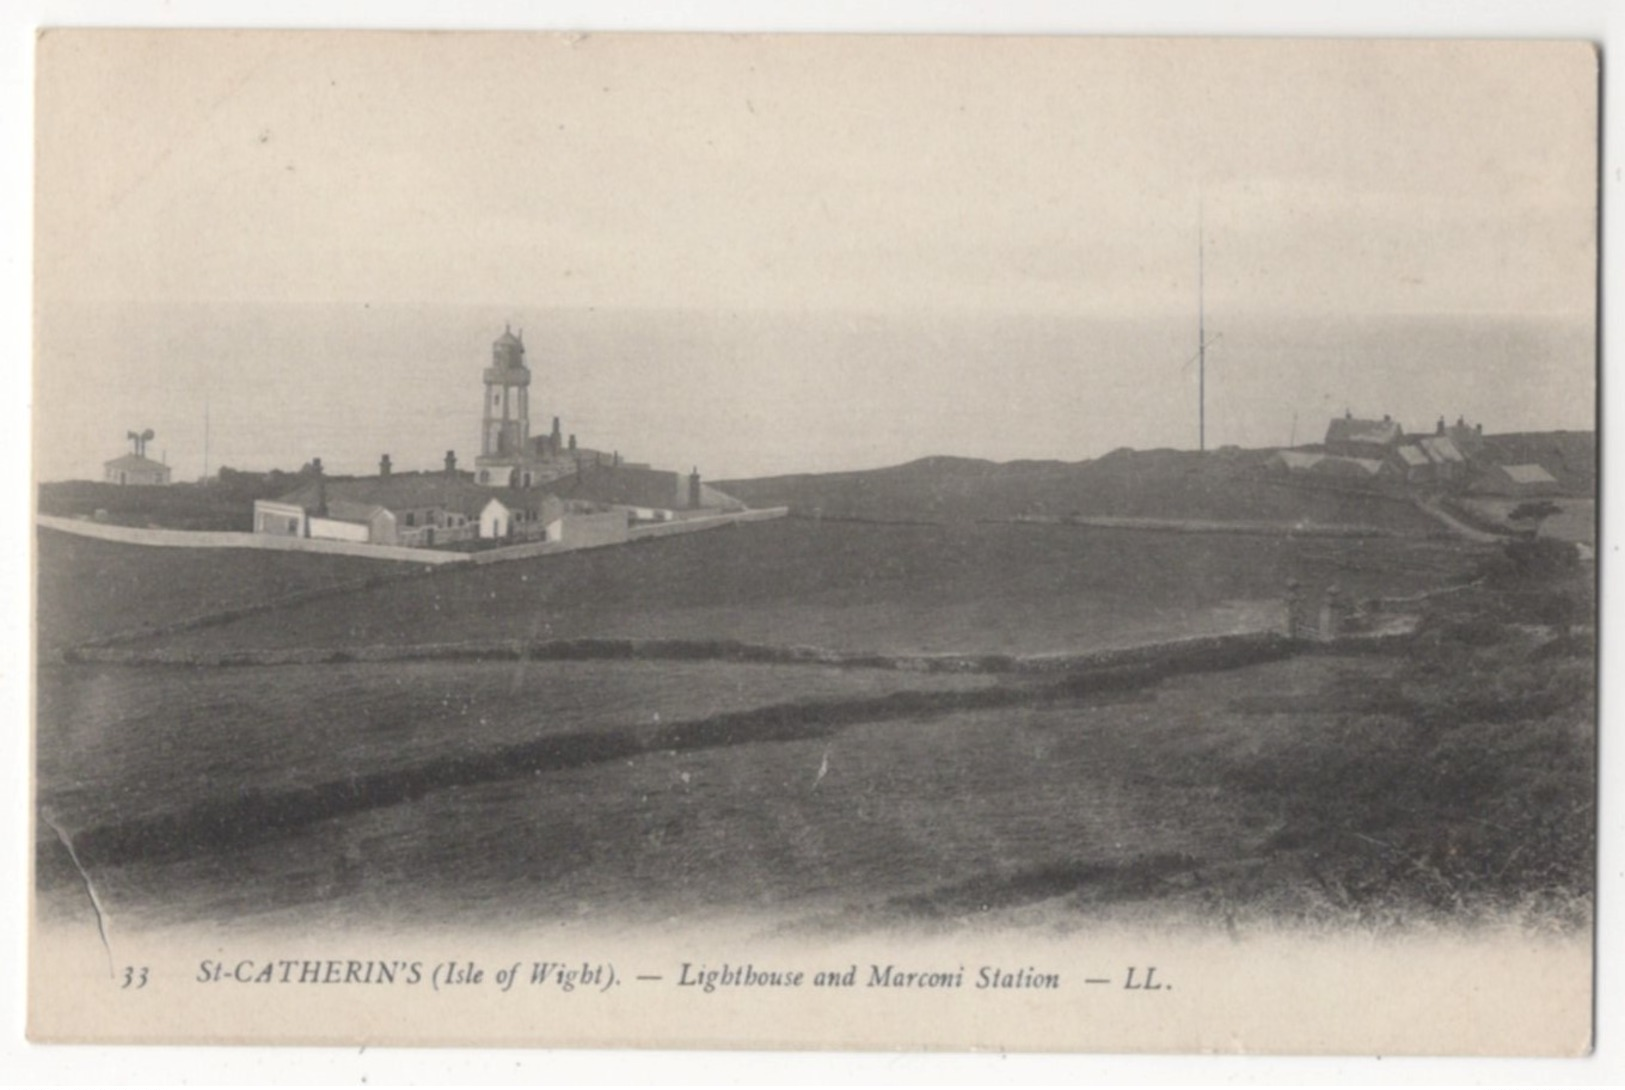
519,552
1237,526
1144,662
221,539
705,522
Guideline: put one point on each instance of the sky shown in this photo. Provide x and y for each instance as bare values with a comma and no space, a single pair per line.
765,255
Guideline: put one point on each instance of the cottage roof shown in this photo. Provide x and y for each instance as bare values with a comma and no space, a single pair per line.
1348,429
134,461
1352,467
1298,460
1441,448
346,511
1529,474
1413,456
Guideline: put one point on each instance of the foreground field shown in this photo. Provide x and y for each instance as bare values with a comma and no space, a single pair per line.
1452,778
888,588
1320,789
121,745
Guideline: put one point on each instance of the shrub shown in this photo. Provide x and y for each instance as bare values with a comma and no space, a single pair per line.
1536,509
1540,558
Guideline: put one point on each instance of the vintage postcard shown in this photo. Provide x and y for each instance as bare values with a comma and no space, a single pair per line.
861,542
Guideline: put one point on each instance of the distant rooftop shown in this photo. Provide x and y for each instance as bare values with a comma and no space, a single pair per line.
133,461
1350,429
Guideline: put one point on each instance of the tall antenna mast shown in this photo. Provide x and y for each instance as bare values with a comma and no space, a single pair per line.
1201,335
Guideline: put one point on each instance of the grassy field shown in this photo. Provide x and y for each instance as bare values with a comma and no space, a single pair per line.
88,588
887,588
1161,484
1320,789
121,745
1454,779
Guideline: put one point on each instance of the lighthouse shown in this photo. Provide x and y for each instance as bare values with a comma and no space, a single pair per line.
505,433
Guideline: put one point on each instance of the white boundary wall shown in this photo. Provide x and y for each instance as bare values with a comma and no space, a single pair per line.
705,522
223,539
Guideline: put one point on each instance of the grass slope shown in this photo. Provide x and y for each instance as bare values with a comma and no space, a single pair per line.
1319,789
1143,484
88,588
862,587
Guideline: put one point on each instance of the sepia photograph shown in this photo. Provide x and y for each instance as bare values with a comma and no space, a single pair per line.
815,541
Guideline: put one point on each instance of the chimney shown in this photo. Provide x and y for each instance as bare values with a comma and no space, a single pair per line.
1440,429
694,488
451,465
383,468
617,462
1478,429
1386,419
556,437
572,442
321,487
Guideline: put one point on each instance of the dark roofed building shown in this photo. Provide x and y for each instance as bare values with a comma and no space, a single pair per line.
1353,437
651,493
135,469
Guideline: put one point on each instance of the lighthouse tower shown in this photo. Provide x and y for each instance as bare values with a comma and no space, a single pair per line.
505,435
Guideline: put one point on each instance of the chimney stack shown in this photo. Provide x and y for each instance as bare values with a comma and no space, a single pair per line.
383,468
321,487
572,442
451,465
694,488
1440,429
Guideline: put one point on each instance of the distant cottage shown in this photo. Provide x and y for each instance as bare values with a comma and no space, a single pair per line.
1454,458
136,468
1351,437
1518,480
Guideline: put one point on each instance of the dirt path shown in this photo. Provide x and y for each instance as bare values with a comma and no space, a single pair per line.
1431,507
